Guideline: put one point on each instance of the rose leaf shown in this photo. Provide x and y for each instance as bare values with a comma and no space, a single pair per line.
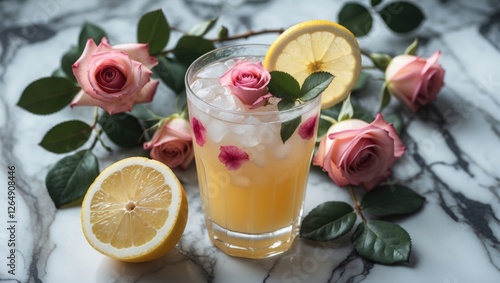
396,121
203,28
315,84
67,61
122,129
288,128
346,111
171,72
90,31
328,221
402,16
69,179
356,18
190,47
362,80
283,85
382,242
48,95
66,136
153,29
374,3
385,97
391,200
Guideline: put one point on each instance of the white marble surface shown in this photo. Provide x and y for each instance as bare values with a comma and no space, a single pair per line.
452,156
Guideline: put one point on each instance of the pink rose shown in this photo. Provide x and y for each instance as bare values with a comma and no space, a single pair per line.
172,143
413,80
357,153
114,77
248,81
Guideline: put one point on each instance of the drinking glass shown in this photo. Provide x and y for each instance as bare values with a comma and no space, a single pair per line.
252,184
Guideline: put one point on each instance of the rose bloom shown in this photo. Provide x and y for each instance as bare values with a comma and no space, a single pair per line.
172,143
248,81
414,80
354,152
114,78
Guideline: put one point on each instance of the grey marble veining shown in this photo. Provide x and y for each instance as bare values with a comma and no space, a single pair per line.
452,150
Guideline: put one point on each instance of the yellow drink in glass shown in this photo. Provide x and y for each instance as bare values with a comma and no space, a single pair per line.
254,210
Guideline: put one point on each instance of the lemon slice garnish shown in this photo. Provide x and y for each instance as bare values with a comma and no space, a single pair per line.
318,45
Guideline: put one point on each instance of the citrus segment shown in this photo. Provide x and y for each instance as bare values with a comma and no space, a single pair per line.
136,210
318,45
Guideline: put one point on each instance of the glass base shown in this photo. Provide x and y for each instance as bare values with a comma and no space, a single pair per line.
253,246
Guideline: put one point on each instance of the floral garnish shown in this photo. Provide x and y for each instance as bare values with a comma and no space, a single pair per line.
248,81
114,78
232,157
199,131
306,130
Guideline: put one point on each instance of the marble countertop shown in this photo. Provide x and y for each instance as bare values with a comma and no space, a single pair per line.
452,156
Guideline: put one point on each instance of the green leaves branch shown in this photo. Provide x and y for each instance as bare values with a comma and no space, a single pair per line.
374,238
399,16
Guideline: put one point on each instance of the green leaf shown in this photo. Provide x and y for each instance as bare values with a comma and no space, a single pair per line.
346,112
223,33
285,104
315,84
283,85
66,136
153,29
362,80
396,120
67,61
391,200
69,179
375,2
122,129
380,60
48,95
385,97
328,221
288,128
171,72
356,18
402,16
382,242
190,47
362,114
58,73
412,48
202,28
90,31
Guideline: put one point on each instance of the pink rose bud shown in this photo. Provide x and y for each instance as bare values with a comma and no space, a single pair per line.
114,78
248,81
414,80
172,143
354,152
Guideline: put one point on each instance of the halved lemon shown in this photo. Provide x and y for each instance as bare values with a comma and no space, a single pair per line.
136,210
318,45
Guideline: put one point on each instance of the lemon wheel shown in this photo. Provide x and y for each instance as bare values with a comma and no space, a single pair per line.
136,210
318,45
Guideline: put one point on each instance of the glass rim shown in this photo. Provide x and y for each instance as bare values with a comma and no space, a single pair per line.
254,112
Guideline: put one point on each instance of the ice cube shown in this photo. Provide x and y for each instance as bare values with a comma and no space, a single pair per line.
216,130
283,151
240,181
213,71
257,155
227,102
246,135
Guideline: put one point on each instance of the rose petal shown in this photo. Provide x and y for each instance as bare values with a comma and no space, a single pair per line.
232,157
307,129
199,131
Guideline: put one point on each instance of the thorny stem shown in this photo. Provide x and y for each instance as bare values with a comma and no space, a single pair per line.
357,206
229,38
98,132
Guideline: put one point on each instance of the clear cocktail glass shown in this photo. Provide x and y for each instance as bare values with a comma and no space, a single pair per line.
252,184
